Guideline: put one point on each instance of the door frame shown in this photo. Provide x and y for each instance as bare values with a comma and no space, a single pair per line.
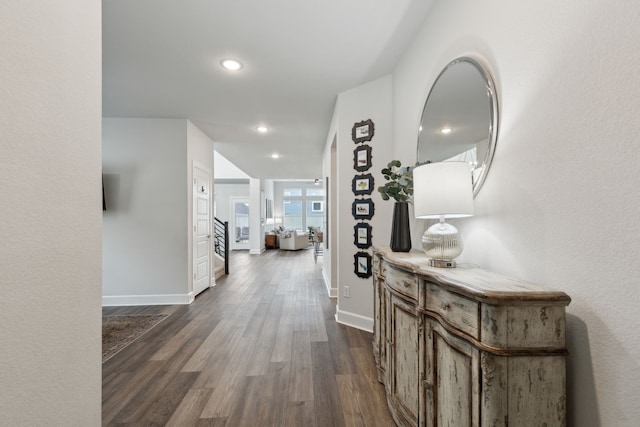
232,223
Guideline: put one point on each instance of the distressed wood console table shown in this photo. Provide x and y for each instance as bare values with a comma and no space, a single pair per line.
467,347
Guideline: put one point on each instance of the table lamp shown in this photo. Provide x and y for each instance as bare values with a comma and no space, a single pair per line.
442,190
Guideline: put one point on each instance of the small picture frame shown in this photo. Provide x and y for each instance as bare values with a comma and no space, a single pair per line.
362,235
362,131
362,264
362,184
362,158
362,208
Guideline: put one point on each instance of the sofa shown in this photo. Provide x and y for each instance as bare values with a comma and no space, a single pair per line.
293,241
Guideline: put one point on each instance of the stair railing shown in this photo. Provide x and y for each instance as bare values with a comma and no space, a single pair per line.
221,241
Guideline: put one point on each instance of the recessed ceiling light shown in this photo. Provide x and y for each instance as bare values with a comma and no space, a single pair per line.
231,64
262,129
445,130
275,155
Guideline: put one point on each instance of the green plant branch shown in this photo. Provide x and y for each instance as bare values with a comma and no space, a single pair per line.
399,184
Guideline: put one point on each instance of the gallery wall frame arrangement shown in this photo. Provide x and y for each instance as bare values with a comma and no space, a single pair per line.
362,264
362,158
362,131
362,235
362,209
362,185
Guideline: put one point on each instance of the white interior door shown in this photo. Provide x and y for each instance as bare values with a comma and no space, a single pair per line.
201,230
239,232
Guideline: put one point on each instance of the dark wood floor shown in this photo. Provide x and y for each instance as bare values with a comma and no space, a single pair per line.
262,348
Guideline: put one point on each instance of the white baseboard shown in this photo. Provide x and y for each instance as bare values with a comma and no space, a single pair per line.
332,292
256,251
354,320
121,300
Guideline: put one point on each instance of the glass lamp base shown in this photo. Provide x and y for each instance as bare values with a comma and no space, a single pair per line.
442,243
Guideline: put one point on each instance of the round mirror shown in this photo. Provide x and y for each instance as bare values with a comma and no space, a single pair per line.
460,119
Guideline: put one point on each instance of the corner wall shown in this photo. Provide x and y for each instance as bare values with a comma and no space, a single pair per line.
50,213
559,205
330,174
370,101
145,247
223,194
256,213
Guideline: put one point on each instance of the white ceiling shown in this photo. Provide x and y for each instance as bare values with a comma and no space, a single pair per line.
161,58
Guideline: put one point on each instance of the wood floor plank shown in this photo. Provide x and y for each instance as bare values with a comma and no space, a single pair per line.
340,349
350,400
261,348
301,414
317,329
263,400
227,388
257,320
327,405
283,344
189,409
179,339
138,381
161,410
261,355
301,380
372,397
211,422
228,361
224,331
158,386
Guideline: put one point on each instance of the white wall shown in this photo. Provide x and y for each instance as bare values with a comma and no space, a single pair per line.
256,212
268,186
559,204
371,101
330,170
223,194
146,233
225,169
50,218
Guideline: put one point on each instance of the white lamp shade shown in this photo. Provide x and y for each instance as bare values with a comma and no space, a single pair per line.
443,190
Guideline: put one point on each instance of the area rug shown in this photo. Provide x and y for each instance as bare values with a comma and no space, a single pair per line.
120,331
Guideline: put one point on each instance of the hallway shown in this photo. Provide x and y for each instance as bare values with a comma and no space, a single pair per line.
262,348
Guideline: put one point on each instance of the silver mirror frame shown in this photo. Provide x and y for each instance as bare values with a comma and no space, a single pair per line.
493,121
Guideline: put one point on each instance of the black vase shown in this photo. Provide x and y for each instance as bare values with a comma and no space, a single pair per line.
400,233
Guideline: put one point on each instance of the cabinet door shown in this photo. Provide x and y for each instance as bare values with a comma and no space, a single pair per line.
379,327
404,377
452,378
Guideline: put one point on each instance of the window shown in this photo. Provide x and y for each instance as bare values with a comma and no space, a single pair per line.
315,214
292,215
303,207
315,192
292,192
